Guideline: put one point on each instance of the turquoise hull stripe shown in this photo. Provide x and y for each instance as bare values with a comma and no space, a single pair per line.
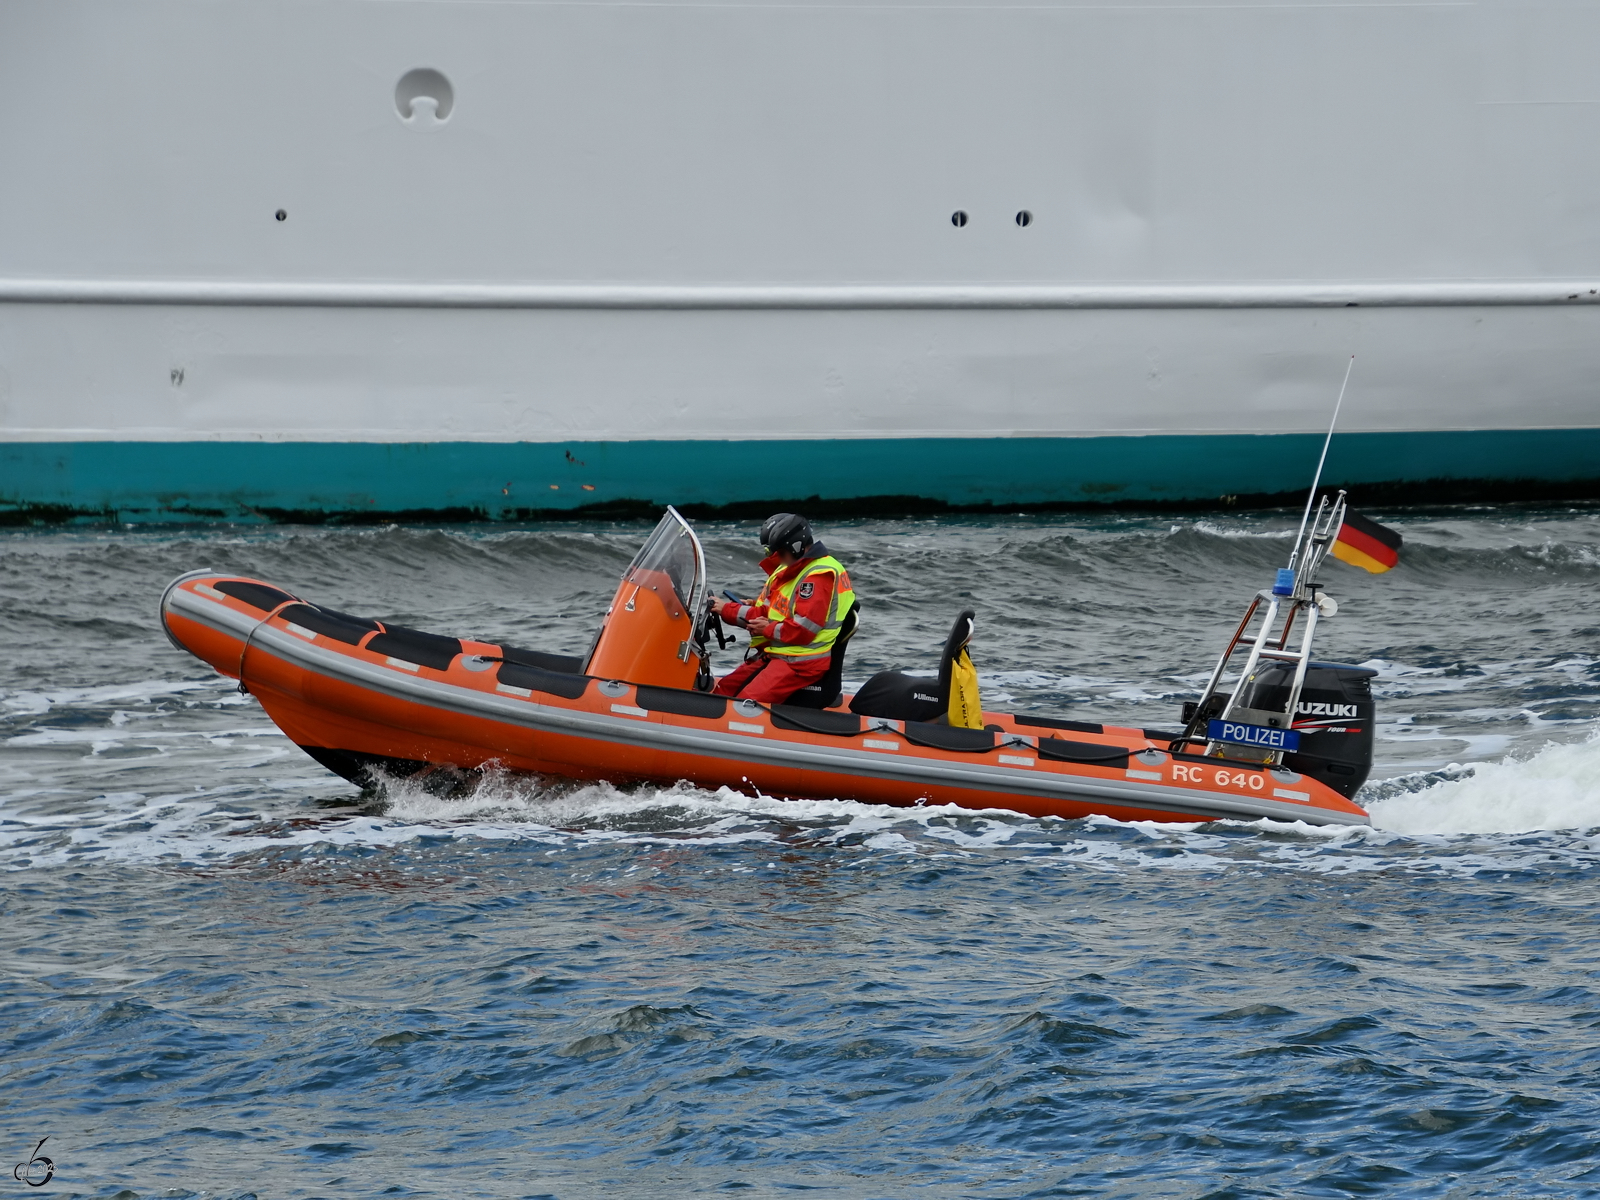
259,480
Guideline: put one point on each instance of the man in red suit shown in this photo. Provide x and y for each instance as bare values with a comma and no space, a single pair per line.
795,621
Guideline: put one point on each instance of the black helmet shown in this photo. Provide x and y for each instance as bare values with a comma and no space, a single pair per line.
785,531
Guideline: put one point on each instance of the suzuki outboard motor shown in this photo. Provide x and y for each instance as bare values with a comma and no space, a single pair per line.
1334,719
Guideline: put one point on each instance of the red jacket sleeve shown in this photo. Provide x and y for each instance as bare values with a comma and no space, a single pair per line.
737,614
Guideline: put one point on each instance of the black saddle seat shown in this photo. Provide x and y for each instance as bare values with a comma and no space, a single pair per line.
902,697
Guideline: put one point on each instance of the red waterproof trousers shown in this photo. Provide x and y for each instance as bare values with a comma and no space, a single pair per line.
772,679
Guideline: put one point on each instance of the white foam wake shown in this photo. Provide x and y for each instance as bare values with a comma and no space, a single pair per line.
1556,788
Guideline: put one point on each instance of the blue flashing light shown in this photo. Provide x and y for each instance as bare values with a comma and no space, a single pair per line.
1285,583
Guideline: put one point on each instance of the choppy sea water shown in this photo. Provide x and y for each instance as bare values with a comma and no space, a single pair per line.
227,973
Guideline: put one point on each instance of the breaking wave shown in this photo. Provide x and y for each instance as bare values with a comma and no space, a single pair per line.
1556,788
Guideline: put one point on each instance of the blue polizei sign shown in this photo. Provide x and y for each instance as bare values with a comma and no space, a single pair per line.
1263,737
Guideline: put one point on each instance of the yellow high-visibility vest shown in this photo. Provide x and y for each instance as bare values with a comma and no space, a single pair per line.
779,602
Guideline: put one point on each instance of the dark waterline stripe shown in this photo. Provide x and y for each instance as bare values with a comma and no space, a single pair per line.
466,481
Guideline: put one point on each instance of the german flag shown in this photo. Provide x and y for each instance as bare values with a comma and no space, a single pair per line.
1366,544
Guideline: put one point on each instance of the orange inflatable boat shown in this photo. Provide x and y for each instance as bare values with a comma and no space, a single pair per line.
366,698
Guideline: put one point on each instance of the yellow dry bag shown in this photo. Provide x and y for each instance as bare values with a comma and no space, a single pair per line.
966,709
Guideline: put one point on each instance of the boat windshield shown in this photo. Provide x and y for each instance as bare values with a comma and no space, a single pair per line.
674,551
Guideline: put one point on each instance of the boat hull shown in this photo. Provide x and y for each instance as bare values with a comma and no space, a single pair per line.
255,481
505,415
352,708
966,254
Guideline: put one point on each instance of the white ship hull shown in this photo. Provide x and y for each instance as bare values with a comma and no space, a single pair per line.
706,254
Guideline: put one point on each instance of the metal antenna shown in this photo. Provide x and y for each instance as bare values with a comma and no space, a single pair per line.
1317,478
